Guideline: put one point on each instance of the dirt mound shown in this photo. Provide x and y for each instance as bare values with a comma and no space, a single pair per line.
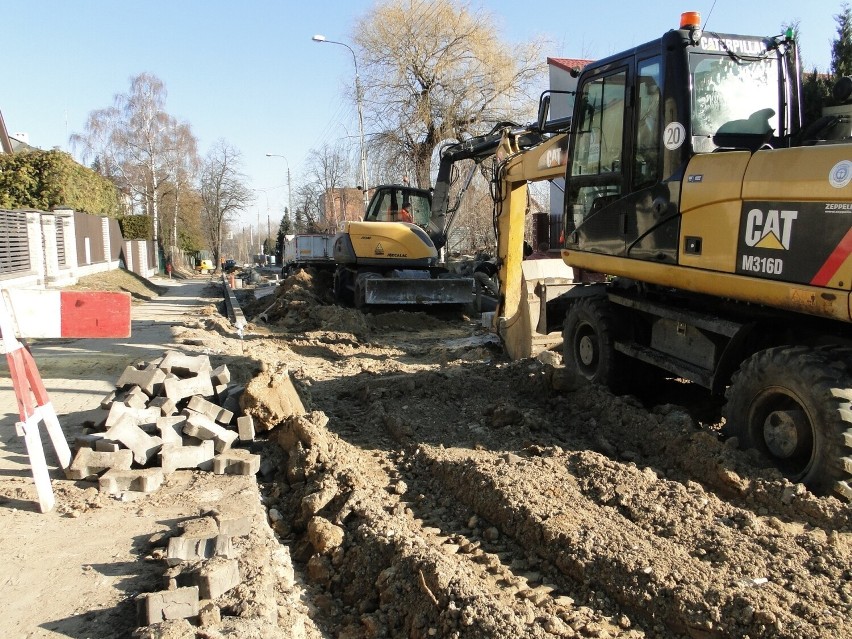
293,300
140,288
303,302
441,495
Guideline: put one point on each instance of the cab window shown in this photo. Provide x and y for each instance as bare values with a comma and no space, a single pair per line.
733,97
601,127
399,205
647,123
596,171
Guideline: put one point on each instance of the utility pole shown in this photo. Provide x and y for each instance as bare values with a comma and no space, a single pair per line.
289,189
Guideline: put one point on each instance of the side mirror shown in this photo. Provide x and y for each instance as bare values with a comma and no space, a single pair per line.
543,123
543,110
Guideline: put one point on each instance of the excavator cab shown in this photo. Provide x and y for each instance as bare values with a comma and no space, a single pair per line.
400,203
642,115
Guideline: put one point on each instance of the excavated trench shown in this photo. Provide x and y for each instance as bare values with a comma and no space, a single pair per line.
435,489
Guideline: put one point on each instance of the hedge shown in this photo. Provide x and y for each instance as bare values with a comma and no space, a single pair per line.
45,180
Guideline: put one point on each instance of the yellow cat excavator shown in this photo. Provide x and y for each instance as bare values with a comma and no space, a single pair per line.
719,234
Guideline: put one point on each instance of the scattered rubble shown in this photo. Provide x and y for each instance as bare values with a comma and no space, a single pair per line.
178,412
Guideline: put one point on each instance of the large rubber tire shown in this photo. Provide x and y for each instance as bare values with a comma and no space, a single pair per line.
360,297
794,404
342,292
588,346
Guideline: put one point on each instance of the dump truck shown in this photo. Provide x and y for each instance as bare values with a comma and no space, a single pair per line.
307,249
709,238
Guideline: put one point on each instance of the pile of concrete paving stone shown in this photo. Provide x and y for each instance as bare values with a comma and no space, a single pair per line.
171,413
178,412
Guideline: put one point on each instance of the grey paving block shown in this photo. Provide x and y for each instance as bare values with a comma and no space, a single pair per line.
88,462
181,603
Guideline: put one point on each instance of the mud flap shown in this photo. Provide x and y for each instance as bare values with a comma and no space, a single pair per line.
391,290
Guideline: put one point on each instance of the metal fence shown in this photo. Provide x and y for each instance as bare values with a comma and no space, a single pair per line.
14,243
43,249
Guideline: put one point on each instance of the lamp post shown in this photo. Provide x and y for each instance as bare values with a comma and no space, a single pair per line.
289,189
259,243
322,38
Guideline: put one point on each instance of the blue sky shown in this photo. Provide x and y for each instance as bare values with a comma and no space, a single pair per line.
249,72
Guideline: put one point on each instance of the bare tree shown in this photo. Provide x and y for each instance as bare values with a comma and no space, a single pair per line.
182,165
185,231
223,193
437,70
132,141
328,169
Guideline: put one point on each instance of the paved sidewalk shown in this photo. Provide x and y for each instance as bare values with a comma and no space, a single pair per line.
79,373
65,569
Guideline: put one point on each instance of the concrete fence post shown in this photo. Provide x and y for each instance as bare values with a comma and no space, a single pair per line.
35,246
69,237
128,253
51,252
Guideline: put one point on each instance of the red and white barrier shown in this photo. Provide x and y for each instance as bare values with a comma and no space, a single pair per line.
44,313
37,313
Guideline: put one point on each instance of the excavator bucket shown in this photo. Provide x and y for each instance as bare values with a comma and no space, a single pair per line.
407,290
543,281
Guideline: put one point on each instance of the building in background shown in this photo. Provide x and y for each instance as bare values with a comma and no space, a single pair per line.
339,205
563,73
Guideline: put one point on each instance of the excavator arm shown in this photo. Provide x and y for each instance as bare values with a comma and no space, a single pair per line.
525,286
478,149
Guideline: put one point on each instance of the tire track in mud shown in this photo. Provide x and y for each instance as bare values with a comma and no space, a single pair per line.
471,499
405,568
656,577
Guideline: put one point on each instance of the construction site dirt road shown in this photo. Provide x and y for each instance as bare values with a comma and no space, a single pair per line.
433,488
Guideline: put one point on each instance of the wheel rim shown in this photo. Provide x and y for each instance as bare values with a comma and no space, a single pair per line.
785,429
587,349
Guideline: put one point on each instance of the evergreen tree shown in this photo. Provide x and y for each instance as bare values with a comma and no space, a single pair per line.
816,85
285,228
841,48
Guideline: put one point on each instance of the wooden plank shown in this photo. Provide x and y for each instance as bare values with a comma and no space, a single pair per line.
38,463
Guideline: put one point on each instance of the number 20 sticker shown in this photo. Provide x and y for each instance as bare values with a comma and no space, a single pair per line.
674,135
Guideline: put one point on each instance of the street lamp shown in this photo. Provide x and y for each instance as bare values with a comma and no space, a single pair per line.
289,189
322,38
259,243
